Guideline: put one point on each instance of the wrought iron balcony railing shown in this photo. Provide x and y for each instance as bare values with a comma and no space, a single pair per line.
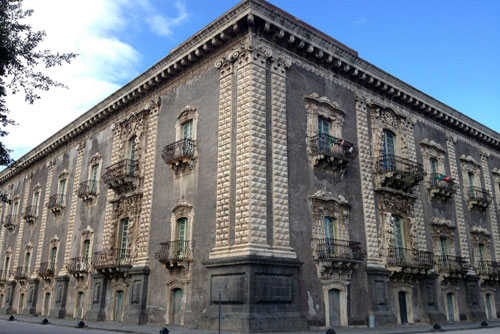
404,257
334,249
451,264
87,190
9,221
488,268
47,270
332,146
21,273
172,252
113,259
399,173
30,214
121,175
181,152
78,266
57,203
477,196
442,185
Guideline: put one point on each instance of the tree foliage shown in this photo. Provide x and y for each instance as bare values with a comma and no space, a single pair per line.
21,62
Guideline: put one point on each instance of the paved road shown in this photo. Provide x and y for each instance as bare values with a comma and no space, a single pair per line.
13,327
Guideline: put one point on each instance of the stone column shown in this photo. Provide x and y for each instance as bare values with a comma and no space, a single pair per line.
72,210
27,185
43,221
491,209
458,197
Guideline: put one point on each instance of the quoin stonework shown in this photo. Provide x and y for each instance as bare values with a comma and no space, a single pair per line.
264,165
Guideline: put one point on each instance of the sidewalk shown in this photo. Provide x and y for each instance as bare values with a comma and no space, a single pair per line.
155,329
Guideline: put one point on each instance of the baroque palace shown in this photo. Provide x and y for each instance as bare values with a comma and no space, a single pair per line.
264,166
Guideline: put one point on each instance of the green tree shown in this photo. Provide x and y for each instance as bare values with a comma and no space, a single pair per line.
20,63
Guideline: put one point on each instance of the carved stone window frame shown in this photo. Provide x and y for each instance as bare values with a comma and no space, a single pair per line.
441,227
129,207
182,210
469,164
316,107
395,204
54,242
325,204
187,114
430,149
384,118
87,234
480,235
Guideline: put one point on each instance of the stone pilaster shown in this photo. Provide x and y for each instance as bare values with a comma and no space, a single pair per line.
2,234
251,192
459,208
147,198
72,210
491,208
224,191
281,226
24,200
367,192
418,208
43,221
108,214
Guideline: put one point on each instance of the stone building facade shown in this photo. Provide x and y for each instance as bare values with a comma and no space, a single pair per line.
264,166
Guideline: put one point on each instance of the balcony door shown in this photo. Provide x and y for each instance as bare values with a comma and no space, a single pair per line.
181,235
93,178
330,224
27,261
443,246
36,198
62,191
324,127
52,258
470,177
85,254
399,238
131,155
123,238
388,150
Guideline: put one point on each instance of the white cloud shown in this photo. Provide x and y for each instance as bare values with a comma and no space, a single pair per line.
92,29
162,25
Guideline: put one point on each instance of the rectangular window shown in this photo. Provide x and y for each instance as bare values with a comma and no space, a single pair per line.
36,198
187,130
123,237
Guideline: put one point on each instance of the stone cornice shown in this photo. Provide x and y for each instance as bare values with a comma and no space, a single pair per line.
281,28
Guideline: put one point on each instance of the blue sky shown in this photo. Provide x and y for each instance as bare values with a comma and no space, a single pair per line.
447,49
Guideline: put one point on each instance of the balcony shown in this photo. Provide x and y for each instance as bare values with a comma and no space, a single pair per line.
441,186
21,274
449,265
180,154
398,173
47,270
9,222
116,261
175,254
410,258
477,197
57,203
488,269
334,256
30,214
78,267
331,153
87,191
122,176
